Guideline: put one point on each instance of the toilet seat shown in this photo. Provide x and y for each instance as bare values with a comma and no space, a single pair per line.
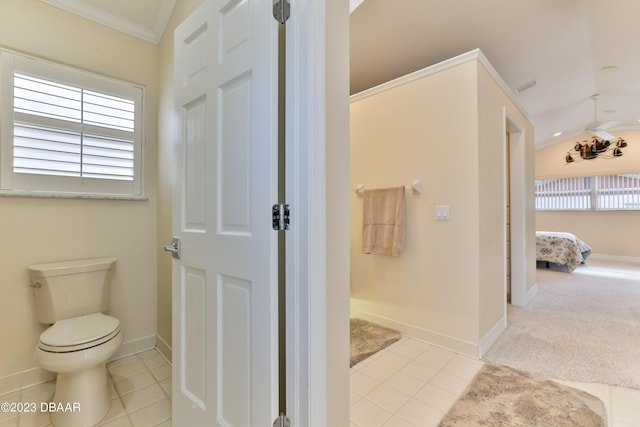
79,333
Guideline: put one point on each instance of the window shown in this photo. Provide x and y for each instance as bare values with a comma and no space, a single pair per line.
68,132
607,192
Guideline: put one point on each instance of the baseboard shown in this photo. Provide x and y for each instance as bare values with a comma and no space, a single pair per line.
34,376
164,348
492,336
620,258
135,346
24,379
435,338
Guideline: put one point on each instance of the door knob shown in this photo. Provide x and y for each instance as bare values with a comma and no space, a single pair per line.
174,248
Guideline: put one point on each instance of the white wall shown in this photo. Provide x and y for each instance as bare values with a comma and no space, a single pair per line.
445,128
607,232
36,230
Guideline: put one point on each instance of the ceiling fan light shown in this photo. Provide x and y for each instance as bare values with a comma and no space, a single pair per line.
621,143
568,158
617,152
600,146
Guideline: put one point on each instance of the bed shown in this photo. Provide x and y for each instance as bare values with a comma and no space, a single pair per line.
561,248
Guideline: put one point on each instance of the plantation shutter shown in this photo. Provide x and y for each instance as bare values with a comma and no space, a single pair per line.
71,131
67,132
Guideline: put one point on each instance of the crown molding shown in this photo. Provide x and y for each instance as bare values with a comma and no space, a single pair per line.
120,23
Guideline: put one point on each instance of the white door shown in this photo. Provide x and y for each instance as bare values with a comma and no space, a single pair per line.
225,349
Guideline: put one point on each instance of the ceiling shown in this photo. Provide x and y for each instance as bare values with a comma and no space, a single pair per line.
562,45
145,19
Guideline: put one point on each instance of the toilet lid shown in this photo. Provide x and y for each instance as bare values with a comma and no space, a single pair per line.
79,330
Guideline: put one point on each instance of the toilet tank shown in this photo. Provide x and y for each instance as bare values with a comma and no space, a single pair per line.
71,288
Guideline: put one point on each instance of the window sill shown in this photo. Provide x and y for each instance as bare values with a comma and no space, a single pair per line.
60,195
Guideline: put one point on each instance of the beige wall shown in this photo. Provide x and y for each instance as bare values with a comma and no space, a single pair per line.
36,230
337,181
446,129
607,232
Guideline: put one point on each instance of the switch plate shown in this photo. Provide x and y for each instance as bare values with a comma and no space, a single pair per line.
442,213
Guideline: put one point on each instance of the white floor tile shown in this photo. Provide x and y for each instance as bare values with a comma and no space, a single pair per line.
134,382
393,360
388,397
361,383
396,421
143,397
407,350
450,382
152,415
161,372
405,383
368,414
435,377
463,367
420,371
436,397
166,386
126,370
9,422
118,422
353,398
420,414
436,357
625,405
378,371
115,411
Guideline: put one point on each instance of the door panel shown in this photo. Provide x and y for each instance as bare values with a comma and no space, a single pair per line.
225,284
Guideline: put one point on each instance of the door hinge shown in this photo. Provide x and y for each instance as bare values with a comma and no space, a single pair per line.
282,421
281,10
280,217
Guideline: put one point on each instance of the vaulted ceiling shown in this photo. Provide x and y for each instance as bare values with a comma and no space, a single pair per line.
571,49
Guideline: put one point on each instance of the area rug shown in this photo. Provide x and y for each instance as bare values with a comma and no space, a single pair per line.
583,326
502,396
368,338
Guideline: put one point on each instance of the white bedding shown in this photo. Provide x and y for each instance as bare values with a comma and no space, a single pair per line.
561,248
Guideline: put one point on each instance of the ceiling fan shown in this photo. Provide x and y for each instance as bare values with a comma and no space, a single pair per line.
598,129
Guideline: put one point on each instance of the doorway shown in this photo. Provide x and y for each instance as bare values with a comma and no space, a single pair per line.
515,211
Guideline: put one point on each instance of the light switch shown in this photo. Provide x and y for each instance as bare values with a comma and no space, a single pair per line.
442,212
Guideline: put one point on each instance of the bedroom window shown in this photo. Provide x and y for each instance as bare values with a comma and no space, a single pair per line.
67,132
605,192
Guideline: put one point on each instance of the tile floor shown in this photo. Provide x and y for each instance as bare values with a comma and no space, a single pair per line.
412,383
141,392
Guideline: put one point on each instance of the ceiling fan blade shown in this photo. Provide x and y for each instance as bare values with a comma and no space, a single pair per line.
603,135
608,125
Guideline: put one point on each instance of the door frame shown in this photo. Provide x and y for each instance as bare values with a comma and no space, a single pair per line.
518,207
317,81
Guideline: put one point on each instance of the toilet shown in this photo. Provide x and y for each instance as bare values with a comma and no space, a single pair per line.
72,297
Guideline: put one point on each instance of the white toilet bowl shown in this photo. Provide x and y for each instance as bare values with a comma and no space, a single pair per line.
77,350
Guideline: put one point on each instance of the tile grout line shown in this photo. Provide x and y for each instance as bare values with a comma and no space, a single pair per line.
156,382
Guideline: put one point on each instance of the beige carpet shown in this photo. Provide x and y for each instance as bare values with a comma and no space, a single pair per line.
368,338
500,396
583,326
